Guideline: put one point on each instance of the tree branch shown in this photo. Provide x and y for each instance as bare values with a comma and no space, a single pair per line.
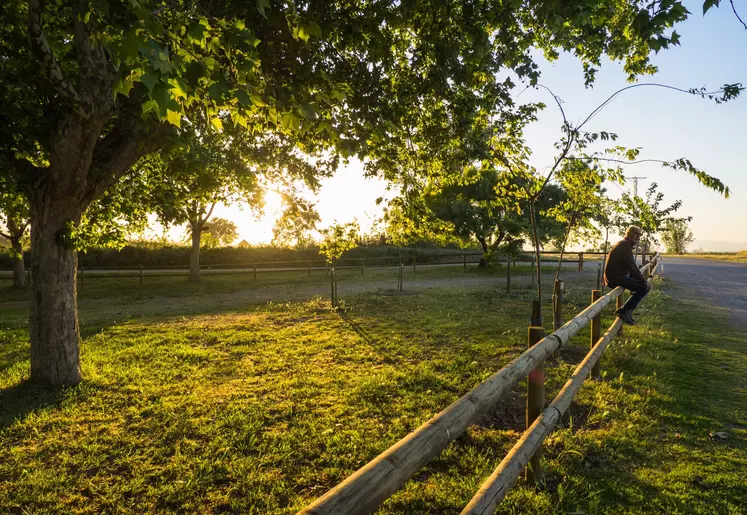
41,50
737,14
96,73
571,134
209,213
613,160
115,154
6,236
649,84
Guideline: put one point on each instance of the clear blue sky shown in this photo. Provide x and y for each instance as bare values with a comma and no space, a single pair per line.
668,125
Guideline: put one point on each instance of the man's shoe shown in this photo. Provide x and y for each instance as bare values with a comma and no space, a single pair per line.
625,316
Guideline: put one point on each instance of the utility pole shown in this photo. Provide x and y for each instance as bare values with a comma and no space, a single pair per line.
635,180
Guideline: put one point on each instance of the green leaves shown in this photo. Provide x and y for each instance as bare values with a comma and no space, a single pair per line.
174,118
338,239
197,32
150,79
710,3
307,30
262,5
290,122
705,179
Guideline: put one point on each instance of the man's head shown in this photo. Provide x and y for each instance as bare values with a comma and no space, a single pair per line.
633,234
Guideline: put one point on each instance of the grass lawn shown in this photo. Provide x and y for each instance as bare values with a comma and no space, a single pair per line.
260,408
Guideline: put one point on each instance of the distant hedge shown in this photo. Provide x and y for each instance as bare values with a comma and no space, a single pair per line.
134,256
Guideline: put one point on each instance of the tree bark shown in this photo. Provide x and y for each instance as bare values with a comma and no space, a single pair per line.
538,268
485,249
19,275
53,327
562,248
194,256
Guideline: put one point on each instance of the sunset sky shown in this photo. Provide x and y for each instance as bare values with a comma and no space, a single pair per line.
666,124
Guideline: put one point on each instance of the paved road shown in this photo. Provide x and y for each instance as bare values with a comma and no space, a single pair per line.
724,284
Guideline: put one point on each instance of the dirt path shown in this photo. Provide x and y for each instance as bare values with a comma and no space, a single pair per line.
93,311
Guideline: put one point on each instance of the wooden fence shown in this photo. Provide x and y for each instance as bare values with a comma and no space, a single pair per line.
140,271
376,481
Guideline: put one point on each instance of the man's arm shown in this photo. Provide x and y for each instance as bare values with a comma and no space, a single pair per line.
633,269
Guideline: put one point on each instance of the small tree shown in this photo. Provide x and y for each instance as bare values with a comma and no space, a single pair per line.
676,236
584,200
219,232
648,214
338,239
294,225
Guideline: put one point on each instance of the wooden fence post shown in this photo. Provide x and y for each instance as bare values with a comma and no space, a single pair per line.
334,276
618,305
535,405
401,269
535,320
414,261
255,271
332,285
599,277
141,275
508,274
580,261
309,268
596,330
465,262
361,266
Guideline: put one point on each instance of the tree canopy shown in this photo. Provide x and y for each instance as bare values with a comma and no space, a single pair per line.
88,88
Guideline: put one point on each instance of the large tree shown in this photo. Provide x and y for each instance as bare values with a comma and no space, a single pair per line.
204,168
92,85
476,206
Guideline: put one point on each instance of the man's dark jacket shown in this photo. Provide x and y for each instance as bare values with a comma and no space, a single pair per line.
621,264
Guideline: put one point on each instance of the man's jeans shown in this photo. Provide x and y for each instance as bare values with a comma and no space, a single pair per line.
639,289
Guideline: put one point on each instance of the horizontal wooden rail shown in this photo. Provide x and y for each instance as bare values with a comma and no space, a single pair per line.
367,488
497,486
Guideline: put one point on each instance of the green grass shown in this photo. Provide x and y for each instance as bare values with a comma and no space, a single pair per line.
262,408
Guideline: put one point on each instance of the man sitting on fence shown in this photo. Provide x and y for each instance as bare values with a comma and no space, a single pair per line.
621,270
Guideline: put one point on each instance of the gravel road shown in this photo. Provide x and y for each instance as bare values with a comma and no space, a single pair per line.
723,284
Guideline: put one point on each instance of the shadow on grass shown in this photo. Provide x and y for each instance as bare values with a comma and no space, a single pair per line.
20,400
358,328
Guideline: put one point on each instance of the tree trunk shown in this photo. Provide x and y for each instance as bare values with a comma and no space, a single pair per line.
485,249
562,248
19,275
194,256
53,326
538,269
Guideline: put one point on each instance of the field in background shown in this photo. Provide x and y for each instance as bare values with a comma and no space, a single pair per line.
207,398
734,257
